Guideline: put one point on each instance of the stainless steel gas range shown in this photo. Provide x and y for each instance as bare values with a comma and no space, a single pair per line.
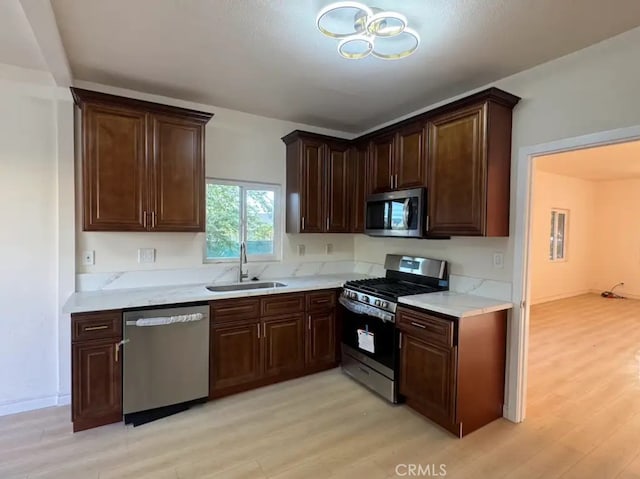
369,338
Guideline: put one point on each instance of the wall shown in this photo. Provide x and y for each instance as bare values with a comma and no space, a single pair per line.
552,280
238,146
28,242
618,236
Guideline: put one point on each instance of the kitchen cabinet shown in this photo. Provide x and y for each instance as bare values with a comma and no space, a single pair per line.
271,338
452,370
96,370
318,191
235,354
460,152
357,181
283,343
469,171
142,164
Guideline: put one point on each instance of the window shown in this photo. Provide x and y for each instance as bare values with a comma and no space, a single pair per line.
242,212
558,243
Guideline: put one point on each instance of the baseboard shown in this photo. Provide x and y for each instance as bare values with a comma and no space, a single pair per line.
64,399
28,405
548,299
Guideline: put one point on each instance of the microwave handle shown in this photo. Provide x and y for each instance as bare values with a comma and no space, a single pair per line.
405,213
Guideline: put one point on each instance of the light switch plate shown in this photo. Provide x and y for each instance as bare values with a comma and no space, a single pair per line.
88,258
498,260
328,248
301,250
146,255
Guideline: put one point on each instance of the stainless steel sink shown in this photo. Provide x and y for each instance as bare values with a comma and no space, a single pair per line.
245,286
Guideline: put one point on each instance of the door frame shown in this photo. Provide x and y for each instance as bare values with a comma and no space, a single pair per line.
518,330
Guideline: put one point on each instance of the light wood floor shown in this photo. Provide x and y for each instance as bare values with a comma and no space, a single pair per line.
583,422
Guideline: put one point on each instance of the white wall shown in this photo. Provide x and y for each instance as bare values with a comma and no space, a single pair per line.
575,274
618,236
28,242
238,146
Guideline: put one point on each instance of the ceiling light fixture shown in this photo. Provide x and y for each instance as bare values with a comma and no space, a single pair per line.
358,27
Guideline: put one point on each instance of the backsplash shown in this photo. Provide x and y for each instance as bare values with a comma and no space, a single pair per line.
228,273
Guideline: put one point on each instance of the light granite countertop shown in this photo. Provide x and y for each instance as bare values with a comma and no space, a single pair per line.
83,302
454,304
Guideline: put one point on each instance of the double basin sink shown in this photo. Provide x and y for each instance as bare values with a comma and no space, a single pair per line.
245,286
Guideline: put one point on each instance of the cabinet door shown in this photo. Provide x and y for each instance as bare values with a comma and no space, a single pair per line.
338,189
358,189
411,160
313,219
114,169
97,384
320,343
178,195
283,343
428,375
381,157
457,173
235,355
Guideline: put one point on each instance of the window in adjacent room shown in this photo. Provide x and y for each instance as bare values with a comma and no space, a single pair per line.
558,242
238,211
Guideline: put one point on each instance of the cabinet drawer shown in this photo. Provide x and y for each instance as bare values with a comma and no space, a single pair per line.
436,330
98,325
282,304
321,300
226,310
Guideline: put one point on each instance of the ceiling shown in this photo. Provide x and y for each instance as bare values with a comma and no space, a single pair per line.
266,56
611,162
18,45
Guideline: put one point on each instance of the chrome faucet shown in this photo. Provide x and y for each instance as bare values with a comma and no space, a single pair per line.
243,260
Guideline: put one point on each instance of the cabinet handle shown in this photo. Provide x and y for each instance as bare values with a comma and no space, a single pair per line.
264,330
153,219
302,224
418,325
258,330
391,180
427,226
327,223
121,343
396,176
144,219
309,323
96,328
400,341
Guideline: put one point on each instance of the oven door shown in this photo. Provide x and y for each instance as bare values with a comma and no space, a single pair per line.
371,339
399,213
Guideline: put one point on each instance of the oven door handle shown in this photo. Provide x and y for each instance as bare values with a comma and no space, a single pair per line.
359,308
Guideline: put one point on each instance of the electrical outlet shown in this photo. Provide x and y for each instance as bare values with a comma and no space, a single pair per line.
328,248
301,250
146,255
88,258
498,260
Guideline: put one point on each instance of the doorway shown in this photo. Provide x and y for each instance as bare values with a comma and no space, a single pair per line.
519,328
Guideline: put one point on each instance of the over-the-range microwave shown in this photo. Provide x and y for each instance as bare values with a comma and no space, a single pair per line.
396,213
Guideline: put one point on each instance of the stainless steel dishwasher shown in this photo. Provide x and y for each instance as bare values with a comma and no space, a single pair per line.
165,361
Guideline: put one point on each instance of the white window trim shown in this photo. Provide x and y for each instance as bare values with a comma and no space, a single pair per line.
554,258
278,233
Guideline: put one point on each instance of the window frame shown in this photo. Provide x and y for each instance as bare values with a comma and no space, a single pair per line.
277,219
554,236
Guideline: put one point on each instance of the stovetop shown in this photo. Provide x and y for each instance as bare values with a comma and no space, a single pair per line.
390,288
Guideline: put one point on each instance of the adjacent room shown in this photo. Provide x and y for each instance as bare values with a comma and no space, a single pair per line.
279,239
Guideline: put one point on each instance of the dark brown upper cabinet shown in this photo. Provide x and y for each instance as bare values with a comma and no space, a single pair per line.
318,190
469,171
397,160
461,152
142,164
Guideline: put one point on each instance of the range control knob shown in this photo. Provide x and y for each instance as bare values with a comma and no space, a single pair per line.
383,304
364,299
378,303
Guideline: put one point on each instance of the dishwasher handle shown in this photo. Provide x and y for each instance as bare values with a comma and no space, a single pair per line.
166,320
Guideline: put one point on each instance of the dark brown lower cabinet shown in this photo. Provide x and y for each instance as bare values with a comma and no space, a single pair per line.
96,396
321,338
235,354
452,370
283,343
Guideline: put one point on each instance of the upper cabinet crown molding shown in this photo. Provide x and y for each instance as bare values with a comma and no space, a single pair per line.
143,164
461,152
